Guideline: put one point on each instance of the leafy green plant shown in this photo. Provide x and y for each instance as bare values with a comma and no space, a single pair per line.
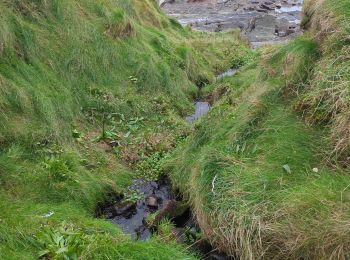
132,195
134,123
58,168
61,243
151,167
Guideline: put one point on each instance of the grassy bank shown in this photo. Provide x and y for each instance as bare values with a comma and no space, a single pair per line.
325,100
266,170
92,95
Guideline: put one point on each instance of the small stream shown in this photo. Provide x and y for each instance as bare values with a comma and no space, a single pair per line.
159,198
228,73
203,107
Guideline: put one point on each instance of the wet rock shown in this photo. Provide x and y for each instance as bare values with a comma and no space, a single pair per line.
125,209
113,143
221,15
106,207
267,7
154,185
161,3
171,209
109,215
152,202
132,218
142,232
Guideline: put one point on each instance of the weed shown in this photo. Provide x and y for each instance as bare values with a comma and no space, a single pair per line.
61,243
133,196
58,168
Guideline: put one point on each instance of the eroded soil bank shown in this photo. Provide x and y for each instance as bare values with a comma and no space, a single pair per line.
259,20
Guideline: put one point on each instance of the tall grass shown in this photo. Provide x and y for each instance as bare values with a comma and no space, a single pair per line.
70,70
55,53
255,174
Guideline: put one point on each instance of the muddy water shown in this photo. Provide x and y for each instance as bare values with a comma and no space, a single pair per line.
260,21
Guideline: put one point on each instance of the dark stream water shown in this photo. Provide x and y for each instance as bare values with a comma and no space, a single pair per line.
131,218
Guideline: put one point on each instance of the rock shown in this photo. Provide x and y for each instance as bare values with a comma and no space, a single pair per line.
109,215
217,256
154,185
161,3
216,17
171,209
113,143
125,209
152,201
142,233
265,6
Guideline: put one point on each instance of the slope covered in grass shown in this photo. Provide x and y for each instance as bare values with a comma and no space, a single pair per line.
326,98
88,88
266,171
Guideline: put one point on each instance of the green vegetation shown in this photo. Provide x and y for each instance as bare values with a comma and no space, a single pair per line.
266,171
92,95
326,99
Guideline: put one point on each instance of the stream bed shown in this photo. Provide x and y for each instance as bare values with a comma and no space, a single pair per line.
144,199
202,108
131,216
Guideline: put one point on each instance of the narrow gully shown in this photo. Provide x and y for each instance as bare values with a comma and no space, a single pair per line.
159,198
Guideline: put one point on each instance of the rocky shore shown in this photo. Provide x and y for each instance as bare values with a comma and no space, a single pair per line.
260,21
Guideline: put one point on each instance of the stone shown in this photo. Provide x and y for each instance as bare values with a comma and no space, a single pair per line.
125,209
171,209
114,143
152,201
237,14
